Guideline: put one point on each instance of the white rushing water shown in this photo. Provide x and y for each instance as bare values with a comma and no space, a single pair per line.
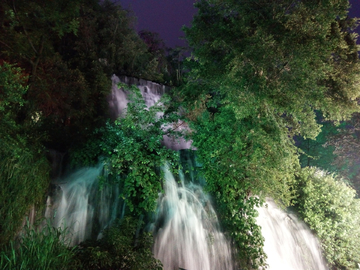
83,207
185,225
289,243
186,228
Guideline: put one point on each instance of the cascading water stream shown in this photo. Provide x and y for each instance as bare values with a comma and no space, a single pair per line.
289,243
187,231
185,226
83,207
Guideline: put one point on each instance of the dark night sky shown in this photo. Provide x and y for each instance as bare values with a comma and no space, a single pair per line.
166,17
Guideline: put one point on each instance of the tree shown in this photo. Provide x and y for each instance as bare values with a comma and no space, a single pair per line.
156,48
259,71
317,152
346,147
69,50
169,59
29,28
56,60
24,170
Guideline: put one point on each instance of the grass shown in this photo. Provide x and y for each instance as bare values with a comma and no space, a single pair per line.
41,249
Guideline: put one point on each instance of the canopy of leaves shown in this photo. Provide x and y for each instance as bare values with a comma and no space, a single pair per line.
69,50
259,71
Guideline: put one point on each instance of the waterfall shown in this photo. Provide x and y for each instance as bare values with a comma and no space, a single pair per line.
186,229
185,226
289,243
83,207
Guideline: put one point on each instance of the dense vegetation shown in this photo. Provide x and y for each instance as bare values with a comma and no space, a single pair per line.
56,60
330,208
22,160
131,148
261,70
264,78
47,248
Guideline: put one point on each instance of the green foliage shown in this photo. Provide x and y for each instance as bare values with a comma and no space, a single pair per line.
335,149
69,50
106,36
330,208
319,153
175,66
29,29
346,148
24,170
131,149
12,88
156,48
236,157
259,71
277,55
43,249
169,60
12,91
121,247
24,176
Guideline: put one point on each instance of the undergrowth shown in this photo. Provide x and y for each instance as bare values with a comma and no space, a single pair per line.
38,248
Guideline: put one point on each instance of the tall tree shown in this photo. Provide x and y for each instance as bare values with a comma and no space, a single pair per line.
346,144
67,51
70,49
259,70
24,170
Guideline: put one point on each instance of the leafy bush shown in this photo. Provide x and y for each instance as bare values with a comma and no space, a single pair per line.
41,249
24,170
131,148
122,247
330,208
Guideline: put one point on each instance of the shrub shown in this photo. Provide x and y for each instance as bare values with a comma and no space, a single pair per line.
40,249
24,169
331,209
122,247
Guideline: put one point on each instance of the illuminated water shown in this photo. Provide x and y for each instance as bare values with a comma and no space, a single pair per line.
289,243
187,231
83,207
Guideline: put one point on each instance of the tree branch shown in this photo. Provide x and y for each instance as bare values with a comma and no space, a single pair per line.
26,33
